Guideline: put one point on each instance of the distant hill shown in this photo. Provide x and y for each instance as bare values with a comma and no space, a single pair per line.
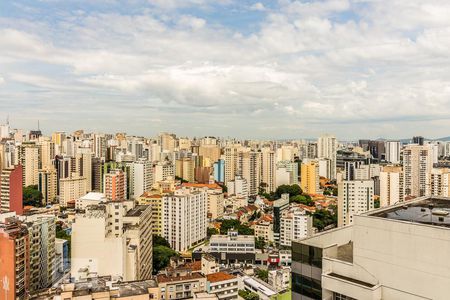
444,139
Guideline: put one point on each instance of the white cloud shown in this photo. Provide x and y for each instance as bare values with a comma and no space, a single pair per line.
258,6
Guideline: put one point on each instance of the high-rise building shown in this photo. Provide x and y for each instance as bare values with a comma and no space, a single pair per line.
310,178
250,168
377,150
238,186
83,162
219,170
392,185
99,146
231,161
393,149
419,140
354,197
14,260
397,252
279,206
47,153
28,157
42,233
141,178
417,163
115,186
291,167
185,218
48,184
184,168
295,224
210,154
58,138
268,167
438,181
168,142
71,189
11,196
327,148
114,232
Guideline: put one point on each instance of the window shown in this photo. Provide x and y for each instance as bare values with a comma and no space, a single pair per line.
337,296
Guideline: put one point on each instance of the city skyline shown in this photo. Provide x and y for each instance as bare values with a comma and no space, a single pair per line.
247,68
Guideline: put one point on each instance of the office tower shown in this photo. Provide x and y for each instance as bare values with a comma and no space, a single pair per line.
184,169
327,148
250,168
392,189
70,189
417,163
113,239
238,186
47,153
364,144
185,218
11,196
231,161
115,185
42,233
48,184
219,170
438,182
295,224
97,175
355,197
14,260
167,142
28,157
393,149
141,178
268,167
390,254
377,150
309,175
419,140
279,206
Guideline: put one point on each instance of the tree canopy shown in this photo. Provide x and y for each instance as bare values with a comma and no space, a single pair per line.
323,218
236,225
161,253
292,190
303,199
32,196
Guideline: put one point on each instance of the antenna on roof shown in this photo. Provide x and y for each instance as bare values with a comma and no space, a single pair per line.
7,119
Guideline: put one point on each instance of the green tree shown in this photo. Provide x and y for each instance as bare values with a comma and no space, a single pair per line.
160,241
161,257
236,225
376,203
248,295
335,192
303,199
62,234
260,243
262,274
323,218
32,196
211,231
292,190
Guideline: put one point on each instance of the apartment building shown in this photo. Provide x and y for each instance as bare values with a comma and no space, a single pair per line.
355,197
11,196
223,285
295,224
392,185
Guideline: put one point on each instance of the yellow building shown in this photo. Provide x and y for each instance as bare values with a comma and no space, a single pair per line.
310,177
155,200
185,169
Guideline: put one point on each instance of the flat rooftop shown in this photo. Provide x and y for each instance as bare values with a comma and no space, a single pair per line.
425,210
137,211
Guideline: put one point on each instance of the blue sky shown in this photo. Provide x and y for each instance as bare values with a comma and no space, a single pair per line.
262,69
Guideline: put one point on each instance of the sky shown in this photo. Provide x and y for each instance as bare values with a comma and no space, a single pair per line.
241,68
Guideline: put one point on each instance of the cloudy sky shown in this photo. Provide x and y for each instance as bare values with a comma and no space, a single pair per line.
268,69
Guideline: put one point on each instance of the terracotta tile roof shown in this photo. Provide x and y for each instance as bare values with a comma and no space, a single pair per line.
162,278
220,276
202,185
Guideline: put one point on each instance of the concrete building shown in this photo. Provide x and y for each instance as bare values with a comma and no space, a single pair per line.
115,185
48,185
180,287
11,196
219,170
398,252
310,179
185,218
233,248
184,168
28,157
238,186
417,163
280,279
438,182
354,197
255,285
156,203
115,232
268,167
279,206
141,178
70,189
231,161
14,260
392,189
327,148
223,285
92,198
264,229
295,224
42,235
393,149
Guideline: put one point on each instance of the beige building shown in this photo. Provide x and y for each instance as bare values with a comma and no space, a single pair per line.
264,229
47,184
398,252
354,197
417,163
231,154
327,148
47,152
223,285
71,189
268,166
184,168
392,185
210,154
438,182
156,204
28,156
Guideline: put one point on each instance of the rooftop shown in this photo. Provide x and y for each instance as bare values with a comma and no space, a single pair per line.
433,211
137,211
220,276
